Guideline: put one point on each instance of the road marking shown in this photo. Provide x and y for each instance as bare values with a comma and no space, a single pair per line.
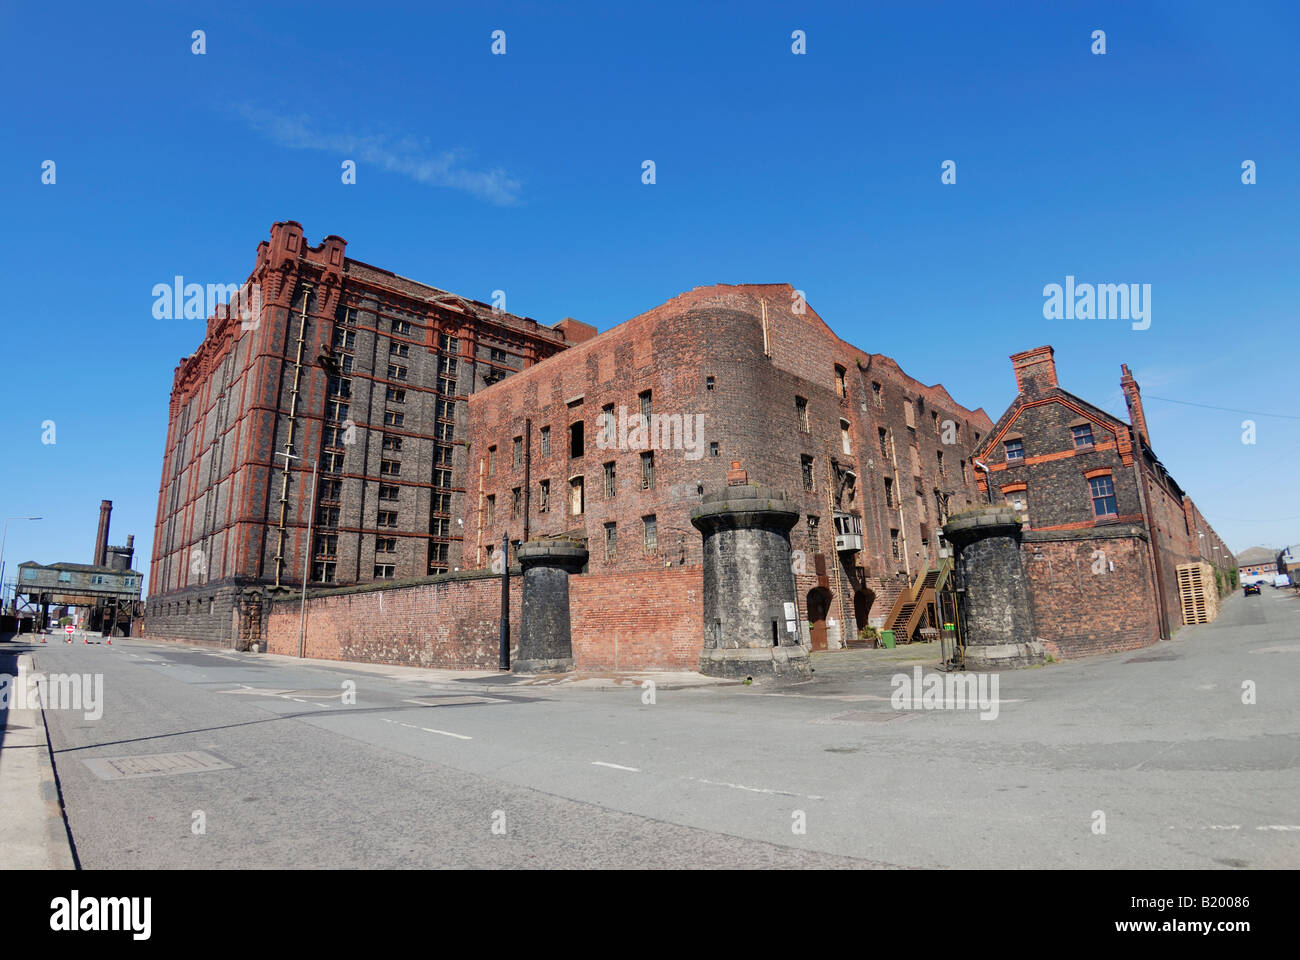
1237,826
614,766
741,786
411,726
446,733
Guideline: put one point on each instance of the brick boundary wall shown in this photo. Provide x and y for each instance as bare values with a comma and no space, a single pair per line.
449,624
650,620
1082,614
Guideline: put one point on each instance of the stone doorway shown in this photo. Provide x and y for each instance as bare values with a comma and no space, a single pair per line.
863,599
819,604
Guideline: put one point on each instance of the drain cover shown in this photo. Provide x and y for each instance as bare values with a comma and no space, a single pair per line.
863,716
154,765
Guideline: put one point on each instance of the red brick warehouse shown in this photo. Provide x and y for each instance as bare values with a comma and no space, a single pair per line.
353,368
1104,523
746,375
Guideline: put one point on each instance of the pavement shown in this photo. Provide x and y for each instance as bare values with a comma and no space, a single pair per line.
32,832
1179,755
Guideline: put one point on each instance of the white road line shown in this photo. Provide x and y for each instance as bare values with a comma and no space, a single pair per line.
741,786
446,733
614,766
411,726
1237,826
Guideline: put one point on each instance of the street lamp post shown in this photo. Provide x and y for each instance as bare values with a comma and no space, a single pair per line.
3,537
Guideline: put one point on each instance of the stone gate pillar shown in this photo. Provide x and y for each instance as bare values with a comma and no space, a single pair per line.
748,585
995,589
545,643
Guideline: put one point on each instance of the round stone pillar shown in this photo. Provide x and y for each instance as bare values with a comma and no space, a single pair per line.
748,586
545,644
995,589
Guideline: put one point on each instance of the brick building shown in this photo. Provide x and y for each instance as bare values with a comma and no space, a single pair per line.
736,384
1258,563
1105,525
339,364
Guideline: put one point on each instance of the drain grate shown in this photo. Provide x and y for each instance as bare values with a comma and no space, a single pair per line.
1149,659
154,765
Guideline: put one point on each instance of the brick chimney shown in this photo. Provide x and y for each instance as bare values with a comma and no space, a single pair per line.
1035,370
1133,397
575,331
101,538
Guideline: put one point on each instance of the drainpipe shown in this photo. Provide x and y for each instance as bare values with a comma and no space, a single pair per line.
528,481
1152,544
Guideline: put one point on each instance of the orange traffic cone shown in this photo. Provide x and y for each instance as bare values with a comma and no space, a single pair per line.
109,641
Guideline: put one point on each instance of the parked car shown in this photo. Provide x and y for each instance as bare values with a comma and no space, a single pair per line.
1251,588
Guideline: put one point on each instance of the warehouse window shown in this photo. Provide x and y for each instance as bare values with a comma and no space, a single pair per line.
1015,450
1103,496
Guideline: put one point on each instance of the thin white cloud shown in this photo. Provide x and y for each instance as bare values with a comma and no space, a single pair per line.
403,155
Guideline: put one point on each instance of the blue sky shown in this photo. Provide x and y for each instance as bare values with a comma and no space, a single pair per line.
522,172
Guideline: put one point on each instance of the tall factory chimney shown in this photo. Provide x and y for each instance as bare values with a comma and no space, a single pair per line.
101,538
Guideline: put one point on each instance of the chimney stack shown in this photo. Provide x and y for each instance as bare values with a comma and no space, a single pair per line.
101,538
1035,370
1133,397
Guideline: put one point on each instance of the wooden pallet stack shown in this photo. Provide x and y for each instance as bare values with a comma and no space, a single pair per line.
1197,592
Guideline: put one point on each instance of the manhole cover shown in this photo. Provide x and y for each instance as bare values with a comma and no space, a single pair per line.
154,765
863,716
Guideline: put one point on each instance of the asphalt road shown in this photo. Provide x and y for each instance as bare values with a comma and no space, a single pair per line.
1158,742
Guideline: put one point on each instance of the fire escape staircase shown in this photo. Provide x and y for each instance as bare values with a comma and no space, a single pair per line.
913,603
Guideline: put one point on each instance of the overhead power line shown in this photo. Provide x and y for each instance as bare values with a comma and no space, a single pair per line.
1210,406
